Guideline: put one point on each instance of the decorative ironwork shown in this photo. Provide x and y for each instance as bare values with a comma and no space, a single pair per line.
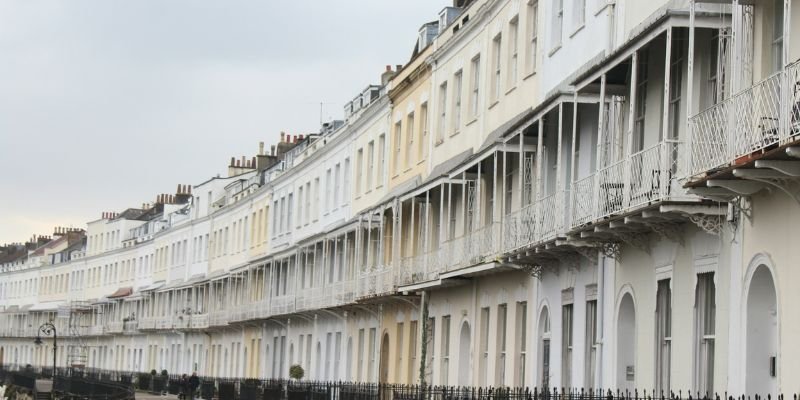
710,223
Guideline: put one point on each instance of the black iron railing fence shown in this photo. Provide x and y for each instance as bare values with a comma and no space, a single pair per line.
70,383
112,385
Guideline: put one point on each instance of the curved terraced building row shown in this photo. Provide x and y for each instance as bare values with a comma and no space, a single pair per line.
581,193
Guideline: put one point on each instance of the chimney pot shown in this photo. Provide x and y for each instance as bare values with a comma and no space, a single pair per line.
399,67
232,161
179,189
388,68
261,148
283,135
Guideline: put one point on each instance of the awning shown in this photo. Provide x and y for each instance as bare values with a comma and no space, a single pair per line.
47,306
11,309
154,286
195,279
171,285
121,292
134,297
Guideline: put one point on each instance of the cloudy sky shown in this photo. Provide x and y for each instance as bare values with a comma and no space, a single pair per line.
105,103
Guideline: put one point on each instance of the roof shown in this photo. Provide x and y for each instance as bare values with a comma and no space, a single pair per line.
121,292
47,306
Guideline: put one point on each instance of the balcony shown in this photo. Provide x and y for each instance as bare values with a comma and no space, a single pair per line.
536,223
219,318
198,321
114,327
96,330
147,323
163,323
375,282
131,327
625,186
281,305
756,124
473,248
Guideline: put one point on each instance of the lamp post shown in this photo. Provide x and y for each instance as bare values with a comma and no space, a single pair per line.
48,329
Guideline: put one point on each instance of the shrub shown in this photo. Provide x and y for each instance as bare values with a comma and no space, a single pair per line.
296,372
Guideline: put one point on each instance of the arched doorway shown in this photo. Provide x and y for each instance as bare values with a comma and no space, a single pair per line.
762,334
384,374
543,347
626,343
464,355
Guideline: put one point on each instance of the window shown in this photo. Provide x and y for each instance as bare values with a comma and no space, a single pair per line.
370,164
500,365
705,326
533,36
777,36
521,334
329,189
641,102
475,89
381,160
442,113
398,145
346,179
513,51
484,347
544,349
675,83
289,207
308,203
445,349
300,206
557,25
663,335
399,349
337,185
423,130
410,137
591,343
372,338
715,82
316,197
412,351
457,85
578,13
566,345
360,366
497,45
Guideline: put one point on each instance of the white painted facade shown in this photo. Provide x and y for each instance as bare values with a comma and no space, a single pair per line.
586,207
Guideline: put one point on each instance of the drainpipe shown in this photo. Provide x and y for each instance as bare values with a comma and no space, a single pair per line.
601,289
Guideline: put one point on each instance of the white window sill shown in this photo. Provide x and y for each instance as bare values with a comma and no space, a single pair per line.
577,29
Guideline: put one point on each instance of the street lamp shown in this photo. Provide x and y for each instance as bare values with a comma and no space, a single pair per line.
48,329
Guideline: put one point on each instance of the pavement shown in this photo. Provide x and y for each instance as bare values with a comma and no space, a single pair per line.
148,396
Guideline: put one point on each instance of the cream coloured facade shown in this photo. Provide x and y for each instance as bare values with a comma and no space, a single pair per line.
549,193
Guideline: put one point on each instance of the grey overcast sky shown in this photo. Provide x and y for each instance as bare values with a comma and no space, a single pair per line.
106,103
